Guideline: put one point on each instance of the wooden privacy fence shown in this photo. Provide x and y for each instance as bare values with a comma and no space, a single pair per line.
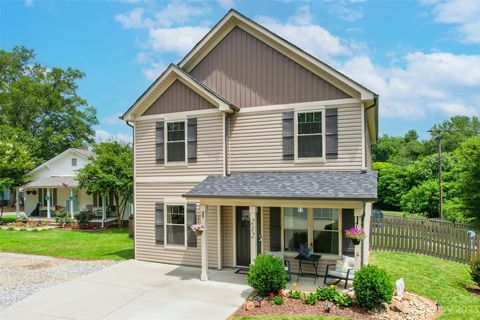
423,236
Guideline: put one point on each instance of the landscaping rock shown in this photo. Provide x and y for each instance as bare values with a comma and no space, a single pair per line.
249,305
398,306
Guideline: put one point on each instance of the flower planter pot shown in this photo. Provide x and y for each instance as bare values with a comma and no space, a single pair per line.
198,232
356,242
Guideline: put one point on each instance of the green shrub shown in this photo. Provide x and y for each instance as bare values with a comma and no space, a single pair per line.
331,294
8,219
83,218
310,298
294,294
277,300
475,269
372,286
62,217
267,274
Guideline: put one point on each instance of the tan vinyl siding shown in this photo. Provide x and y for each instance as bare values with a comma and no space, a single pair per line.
209,149
256,144
146,195
248,72
227,235
177,98
212,236
266,228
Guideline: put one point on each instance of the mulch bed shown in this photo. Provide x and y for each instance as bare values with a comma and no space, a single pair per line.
417,308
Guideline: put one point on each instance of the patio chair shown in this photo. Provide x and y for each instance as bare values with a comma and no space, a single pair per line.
343,270
286,263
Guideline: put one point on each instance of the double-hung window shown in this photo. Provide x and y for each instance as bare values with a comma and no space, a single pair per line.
176,138
312,227
175,225
309,135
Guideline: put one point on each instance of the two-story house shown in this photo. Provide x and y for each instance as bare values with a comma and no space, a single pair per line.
261,142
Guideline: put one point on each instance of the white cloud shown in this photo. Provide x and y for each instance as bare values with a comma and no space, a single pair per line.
133,20
114,119
154,70
465,14
426,84
103,136
29,3
302,17
179,40
226,4
178,12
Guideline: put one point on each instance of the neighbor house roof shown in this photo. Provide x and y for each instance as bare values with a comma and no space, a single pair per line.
82,152
53,182
291,185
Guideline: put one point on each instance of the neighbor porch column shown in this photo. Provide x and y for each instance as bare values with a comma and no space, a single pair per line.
71,203
17,202
358,213
203,220
49,201
253,232
104,211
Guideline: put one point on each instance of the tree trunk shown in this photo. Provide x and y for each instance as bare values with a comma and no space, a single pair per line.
117,211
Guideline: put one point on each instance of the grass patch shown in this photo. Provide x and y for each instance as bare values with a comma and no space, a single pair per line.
111,244
438,279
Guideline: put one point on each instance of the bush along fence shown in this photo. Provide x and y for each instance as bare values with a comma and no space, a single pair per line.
414,235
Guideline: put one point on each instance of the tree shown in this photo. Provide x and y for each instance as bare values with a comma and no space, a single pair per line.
43,102
110,172
458,129
422,199
467,173
15,162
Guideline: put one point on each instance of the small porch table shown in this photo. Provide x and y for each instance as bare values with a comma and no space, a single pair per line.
313,259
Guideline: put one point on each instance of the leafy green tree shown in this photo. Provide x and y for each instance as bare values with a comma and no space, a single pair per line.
392,184
386,148
15,162
467,173
458,129
110,173
422,199
43,102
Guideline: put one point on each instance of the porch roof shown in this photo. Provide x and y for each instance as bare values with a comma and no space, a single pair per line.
52,182
325,185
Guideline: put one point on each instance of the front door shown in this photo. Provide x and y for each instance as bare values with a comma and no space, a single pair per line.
243,236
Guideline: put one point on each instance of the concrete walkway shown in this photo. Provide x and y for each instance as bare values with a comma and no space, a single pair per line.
137,290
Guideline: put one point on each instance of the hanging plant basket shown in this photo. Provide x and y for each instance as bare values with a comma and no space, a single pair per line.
356,241
198,229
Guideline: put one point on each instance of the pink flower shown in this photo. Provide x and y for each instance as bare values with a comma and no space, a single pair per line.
281,293
271,294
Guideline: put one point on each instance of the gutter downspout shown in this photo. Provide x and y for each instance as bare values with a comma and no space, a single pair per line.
227,140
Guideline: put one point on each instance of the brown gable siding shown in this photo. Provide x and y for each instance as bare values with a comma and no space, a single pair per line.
248,73
177,98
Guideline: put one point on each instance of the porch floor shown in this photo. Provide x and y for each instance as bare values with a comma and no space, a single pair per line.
305,283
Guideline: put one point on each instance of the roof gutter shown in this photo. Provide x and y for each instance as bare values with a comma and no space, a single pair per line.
375,105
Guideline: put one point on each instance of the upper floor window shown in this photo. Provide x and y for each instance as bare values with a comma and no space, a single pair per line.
74,162
176,141
309,135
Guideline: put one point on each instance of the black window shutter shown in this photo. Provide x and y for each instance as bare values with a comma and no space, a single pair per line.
192,139
331,119
159,223
191,219
348,221
160,142
288,141
275,229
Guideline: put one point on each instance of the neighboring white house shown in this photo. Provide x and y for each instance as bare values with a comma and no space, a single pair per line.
53,185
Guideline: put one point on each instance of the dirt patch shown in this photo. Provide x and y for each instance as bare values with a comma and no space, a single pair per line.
474,289
413,307
37,266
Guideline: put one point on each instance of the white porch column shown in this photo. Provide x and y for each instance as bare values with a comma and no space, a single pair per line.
104,211
366,227
203,220
49,201
358,213
253,232
17,202
71,203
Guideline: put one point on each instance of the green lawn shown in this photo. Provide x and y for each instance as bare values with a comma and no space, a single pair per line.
440,280
112,244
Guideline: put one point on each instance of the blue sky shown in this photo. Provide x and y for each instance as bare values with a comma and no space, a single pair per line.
421,57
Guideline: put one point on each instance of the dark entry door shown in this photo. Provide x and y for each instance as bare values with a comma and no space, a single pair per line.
243,236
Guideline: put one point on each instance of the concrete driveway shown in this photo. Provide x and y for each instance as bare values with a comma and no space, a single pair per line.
137,290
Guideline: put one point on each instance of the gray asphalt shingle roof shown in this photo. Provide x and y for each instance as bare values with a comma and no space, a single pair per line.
297,185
